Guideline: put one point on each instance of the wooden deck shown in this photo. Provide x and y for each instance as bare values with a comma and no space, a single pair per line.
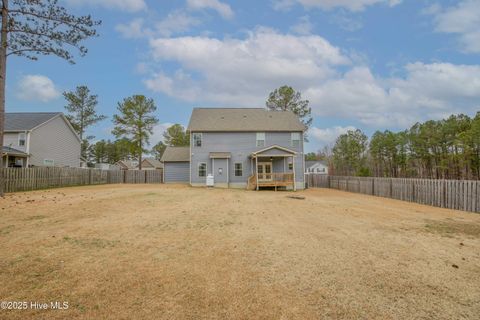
270,180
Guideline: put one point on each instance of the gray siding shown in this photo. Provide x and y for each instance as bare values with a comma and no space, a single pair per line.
176,172
54,140
10,139
241,145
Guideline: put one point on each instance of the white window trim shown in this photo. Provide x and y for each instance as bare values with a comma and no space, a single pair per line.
198,169
292,140
258,140
45,160
235,169
201,139
24,139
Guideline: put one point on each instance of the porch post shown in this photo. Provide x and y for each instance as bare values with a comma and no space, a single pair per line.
293,167
256,170
6,161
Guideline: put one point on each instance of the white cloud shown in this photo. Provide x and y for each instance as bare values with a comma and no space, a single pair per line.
223,9
133,29
174,23
37,87
241,72
427,91
351,5
158,131
303,27
124,5
463,19
328,136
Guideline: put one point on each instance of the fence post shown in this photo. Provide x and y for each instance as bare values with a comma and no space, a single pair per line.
413,191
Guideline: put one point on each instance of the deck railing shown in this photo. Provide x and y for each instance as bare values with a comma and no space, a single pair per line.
275,177
270,180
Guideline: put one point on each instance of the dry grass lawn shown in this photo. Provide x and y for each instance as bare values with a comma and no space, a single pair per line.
174,252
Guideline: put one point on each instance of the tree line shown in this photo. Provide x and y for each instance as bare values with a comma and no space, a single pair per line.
435,149
133,126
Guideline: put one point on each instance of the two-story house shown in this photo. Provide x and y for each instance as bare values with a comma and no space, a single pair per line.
40,139
243,147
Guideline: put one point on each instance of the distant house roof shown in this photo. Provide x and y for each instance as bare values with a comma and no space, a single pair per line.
311,163
243,119
153,162
176,154
24,121
13,152
127,164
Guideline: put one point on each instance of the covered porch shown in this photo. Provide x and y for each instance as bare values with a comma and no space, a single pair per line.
14,158
272,167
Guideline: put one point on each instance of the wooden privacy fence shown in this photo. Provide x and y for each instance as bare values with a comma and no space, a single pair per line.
24,179
451,194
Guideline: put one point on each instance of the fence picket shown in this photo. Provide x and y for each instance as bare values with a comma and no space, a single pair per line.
24,179
451,194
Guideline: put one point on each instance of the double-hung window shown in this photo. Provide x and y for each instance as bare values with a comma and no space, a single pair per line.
202,169
21,139
260,139
296,136
238,169
197,139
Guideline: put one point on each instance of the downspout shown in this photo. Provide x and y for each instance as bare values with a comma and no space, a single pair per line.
27,147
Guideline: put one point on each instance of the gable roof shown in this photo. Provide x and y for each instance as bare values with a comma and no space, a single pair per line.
176,154
243,119
13,152
275,147
126,164
310,163
153,162
25,121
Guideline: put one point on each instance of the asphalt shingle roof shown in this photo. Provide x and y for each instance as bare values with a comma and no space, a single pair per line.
243,119
12,151
176,154
154,162
23,121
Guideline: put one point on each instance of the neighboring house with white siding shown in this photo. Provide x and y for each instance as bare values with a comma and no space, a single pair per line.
314,166
35,139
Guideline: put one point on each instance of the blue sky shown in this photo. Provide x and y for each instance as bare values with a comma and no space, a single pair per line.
368,64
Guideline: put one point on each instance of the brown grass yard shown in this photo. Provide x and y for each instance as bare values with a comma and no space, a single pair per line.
174,252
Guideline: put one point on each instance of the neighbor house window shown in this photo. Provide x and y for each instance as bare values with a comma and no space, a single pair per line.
21,139
295,139
290,166
202,169
260,139
197,139
238,169
48,162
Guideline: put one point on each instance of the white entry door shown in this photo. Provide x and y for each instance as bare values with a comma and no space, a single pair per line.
264,170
